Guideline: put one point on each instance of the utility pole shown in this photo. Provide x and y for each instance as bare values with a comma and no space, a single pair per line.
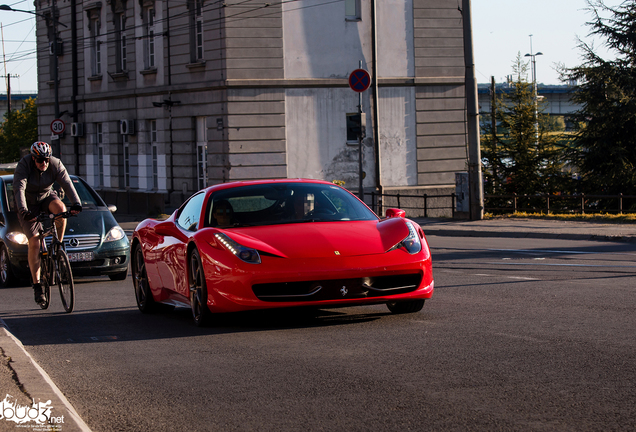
493,123
474,152
8,77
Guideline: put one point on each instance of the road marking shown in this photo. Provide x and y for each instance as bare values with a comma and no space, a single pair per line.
567,252
563,265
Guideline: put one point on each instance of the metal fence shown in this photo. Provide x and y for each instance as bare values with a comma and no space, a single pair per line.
415,205
427,205
577,203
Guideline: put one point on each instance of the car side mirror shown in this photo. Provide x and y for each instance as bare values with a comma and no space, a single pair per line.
395,213
112,208
169,229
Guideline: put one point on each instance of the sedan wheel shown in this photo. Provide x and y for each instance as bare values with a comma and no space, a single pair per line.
6,272
145,301
198,291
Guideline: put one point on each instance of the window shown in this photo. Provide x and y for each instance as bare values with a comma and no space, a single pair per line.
352,10
353,127
149,37
196,30
121,39
191,212
155,154
99,136
202,152
96,45
126,161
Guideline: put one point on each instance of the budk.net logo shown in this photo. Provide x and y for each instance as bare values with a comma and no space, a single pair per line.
34,416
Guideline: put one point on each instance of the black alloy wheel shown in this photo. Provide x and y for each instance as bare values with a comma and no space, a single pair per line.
407,306
7,278
145,301
198,291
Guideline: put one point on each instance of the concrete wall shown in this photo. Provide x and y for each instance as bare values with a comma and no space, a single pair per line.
273,89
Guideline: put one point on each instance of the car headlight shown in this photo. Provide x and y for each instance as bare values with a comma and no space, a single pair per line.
411,243
246,254
18,238
115,233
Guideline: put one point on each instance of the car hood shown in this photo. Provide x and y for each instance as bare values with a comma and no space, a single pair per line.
90,221
323,239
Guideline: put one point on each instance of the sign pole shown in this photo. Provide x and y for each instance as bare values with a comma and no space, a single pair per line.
359,81
360,154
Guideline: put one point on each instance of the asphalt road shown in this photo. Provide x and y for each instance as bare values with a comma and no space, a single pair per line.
528,334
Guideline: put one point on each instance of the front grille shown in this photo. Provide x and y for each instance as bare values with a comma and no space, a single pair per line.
81,242
337,289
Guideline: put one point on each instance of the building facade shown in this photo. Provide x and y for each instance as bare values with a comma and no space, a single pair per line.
161,99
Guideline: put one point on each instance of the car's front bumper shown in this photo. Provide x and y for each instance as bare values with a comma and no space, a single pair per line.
356,280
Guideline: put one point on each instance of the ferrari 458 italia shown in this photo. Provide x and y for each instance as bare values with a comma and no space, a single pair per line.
279,243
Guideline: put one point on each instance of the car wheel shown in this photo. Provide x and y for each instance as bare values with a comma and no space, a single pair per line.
198,291
408,306
119,276
7,278
145,301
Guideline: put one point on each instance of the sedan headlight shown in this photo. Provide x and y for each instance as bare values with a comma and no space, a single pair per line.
18,238
411,243
115,233
246,254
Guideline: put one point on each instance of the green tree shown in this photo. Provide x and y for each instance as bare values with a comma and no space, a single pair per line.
19,129
604,147
525,157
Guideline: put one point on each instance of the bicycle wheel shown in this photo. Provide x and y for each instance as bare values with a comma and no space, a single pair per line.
45,275
64,278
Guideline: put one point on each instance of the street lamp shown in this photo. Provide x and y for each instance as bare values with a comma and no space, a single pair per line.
534,90
55,49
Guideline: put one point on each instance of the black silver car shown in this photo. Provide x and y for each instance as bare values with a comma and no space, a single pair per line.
95,243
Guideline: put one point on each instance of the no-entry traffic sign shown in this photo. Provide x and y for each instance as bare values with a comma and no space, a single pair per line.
359,80
58,126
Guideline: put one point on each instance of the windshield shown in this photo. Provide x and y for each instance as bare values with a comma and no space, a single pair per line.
87,198
281,203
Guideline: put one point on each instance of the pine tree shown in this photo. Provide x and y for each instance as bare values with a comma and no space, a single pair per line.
525,158
604,148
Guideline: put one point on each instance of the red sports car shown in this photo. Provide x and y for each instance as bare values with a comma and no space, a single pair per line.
279,243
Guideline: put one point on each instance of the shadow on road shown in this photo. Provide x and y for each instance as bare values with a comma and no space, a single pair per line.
112,325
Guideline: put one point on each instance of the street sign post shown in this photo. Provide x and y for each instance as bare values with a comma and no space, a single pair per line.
58,126
359,80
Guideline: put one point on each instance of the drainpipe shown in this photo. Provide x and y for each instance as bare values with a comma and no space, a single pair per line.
474,152
75,79
376,108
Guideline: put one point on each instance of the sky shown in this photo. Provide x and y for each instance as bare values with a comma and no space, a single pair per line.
501,30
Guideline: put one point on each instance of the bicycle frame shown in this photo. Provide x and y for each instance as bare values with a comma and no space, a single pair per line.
54,265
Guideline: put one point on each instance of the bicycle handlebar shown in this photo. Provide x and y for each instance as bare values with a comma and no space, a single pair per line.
44,216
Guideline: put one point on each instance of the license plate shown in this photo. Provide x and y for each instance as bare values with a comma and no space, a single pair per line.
80,256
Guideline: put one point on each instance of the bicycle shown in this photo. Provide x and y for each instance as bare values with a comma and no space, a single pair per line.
55,267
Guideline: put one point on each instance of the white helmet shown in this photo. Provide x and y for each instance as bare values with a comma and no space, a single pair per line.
41,149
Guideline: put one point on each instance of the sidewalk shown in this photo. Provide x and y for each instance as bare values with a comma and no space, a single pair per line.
17,367
530,228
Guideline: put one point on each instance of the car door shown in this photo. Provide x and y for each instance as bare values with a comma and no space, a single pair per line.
172,266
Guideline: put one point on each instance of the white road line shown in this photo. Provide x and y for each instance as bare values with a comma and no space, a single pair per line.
81,425
562,265
561,252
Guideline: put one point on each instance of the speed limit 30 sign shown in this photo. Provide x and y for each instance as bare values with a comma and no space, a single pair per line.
58,126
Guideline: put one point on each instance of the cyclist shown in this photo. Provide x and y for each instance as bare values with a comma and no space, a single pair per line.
32,184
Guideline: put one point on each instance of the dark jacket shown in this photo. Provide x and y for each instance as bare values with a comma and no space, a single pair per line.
31,186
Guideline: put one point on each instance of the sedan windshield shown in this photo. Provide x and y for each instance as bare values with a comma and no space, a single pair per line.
281,203
88,198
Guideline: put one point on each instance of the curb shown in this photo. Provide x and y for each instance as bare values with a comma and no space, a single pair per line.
37,383
529,235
